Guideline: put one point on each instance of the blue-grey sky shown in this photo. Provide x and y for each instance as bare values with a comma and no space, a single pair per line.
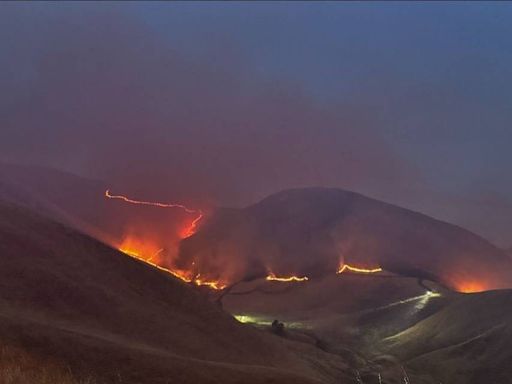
228,102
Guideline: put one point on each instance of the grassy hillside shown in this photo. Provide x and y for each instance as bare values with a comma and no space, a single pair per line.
65,296
466,342
311,231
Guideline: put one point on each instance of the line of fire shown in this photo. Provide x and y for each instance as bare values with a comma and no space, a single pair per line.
140,250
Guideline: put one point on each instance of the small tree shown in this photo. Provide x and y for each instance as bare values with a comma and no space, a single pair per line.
278,327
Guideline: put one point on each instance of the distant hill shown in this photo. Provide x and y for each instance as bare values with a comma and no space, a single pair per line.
303,231
65,197
311,231
67,297
381,323
467,342
70,302
80,203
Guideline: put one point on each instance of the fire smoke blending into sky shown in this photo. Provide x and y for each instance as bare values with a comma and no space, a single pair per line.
187,231
226,103
155,240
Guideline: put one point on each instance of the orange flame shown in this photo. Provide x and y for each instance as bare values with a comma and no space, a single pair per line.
192,228
272,277
134,253
142,202
189,231
209,283
140,250
182,275
346,267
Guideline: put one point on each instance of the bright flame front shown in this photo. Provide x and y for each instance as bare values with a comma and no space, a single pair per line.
185,276
272,277
346,267
145,251
188,231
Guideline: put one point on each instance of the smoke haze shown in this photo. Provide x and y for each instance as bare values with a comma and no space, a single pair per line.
168,102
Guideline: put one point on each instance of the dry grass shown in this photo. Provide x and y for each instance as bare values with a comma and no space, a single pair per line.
19,367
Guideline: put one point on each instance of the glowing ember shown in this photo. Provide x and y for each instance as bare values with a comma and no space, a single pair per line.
273,277
346,267
188,231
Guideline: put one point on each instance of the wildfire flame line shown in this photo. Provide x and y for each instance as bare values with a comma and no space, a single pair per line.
346,267
153,203
133,253
189,231
273,277
191,228
182,276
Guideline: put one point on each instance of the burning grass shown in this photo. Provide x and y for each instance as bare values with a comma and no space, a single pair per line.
182,275
188,231
287,279
346,267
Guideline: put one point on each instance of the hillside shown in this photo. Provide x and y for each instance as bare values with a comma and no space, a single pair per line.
383,324
81,204
466,342
64,197
313,231
300,231
65,296
74,309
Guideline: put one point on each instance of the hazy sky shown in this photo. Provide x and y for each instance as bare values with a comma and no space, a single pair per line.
228,102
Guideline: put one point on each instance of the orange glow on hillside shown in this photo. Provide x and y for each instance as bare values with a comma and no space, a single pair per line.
346,267
182,275
272,277
140,249
187,231
147,252
191,229
136,255
142,202
470,287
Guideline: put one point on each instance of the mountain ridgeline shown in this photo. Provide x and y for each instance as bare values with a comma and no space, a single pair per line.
313,231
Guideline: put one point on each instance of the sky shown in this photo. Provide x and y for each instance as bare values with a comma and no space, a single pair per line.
225,103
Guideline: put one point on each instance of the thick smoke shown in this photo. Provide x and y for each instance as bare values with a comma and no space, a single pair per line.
99,91
100,94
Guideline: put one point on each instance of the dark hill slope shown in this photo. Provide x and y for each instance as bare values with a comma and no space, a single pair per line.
466,342
310,231
65,295
76,201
